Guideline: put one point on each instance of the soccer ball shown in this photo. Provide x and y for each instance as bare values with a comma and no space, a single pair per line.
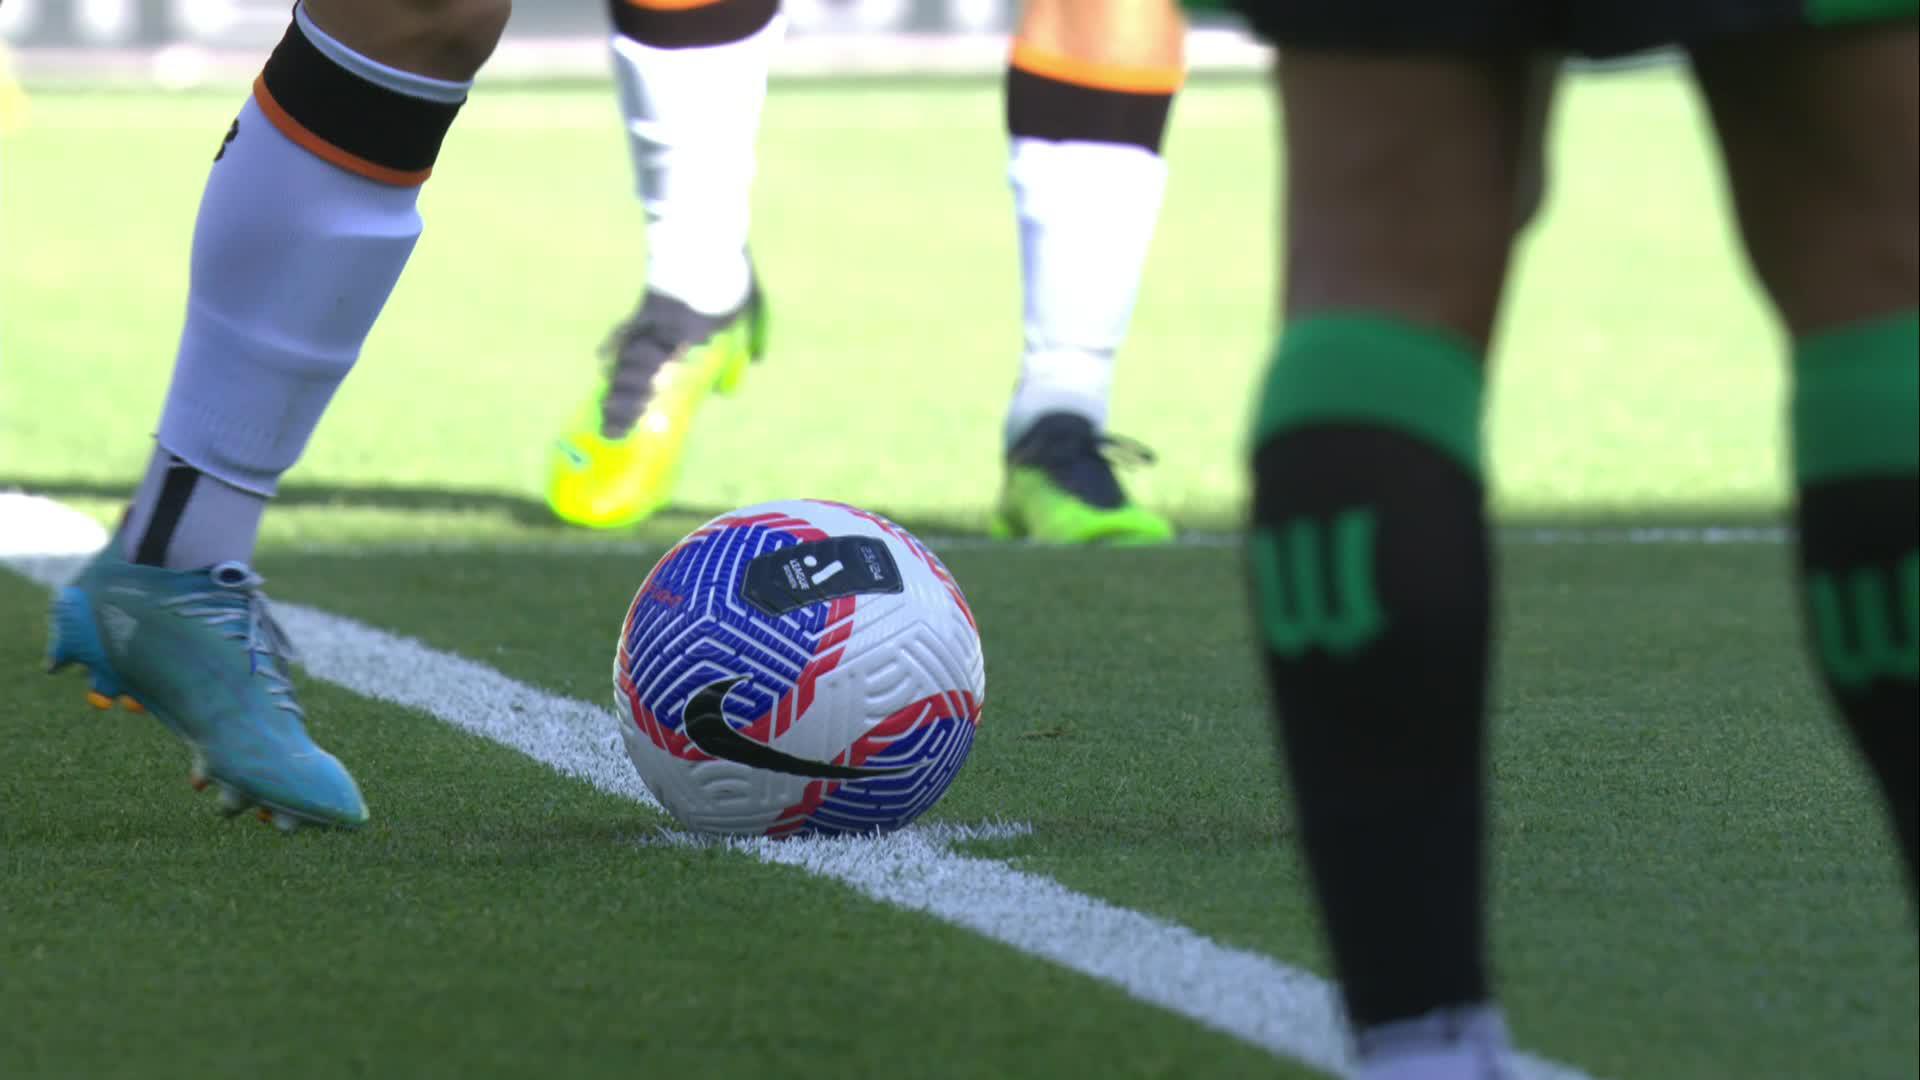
798,668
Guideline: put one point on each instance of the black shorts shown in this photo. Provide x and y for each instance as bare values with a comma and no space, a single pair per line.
1596,28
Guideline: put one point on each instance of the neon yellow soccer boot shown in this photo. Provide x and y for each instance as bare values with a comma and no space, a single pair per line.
619,462
1060,488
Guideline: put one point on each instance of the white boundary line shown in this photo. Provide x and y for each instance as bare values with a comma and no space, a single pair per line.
1253,997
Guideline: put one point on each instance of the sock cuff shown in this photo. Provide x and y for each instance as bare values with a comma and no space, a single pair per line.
1856,400
1112,175
425,87
354,112
1364,369
691,24
1060,98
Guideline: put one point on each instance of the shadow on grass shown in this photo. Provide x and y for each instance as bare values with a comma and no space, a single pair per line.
524,511
530,514
400,498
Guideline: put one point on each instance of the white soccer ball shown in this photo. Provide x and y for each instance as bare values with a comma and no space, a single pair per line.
798,668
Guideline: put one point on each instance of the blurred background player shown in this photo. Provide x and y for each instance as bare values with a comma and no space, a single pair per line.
13,99
1089,87
1408,135
308,218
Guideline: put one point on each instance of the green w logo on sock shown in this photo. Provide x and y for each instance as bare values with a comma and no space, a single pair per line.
1854,622
1316,584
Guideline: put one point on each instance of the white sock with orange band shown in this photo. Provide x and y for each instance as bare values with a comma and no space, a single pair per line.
692,79
308,218
1087,181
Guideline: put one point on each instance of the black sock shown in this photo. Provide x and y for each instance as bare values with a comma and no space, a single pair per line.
1370,562
1856,408
692,26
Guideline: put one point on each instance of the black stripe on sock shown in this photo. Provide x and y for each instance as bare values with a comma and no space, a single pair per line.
1042,108
385,128
719,23
175,489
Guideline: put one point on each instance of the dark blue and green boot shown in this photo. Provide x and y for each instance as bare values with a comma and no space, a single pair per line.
1061,488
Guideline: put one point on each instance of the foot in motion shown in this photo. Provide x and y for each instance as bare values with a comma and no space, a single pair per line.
1089,87
1061,488
310,213
691,79
199,650
619,463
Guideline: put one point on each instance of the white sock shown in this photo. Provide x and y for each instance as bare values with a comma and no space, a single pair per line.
294,255
1087,212
692,117
1450,1044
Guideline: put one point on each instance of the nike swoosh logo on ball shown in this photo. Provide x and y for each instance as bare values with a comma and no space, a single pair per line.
706,725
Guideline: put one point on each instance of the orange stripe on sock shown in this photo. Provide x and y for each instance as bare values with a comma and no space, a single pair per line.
326,151
1124,78
673,5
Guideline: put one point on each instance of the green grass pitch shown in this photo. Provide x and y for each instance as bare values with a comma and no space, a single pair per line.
1691,878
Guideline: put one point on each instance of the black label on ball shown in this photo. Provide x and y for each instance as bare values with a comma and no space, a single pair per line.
793,577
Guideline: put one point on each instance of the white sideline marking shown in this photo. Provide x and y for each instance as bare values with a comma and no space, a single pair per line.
43,540
940,833
1253,997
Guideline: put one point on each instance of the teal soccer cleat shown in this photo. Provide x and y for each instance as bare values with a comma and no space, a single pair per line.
199,650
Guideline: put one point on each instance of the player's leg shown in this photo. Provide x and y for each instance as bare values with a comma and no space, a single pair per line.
1369,554
1089,87
692,78
1530,190
308,218
1821,134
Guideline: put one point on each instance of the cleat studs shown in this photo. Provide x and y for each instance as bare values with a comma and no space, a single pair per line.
99,700
131,705
285,822
231,801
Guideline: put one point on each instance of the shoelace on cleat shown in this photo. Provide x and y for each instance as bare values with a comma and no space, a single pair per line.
250,620
1081,460
644,351
1123,451
638,341
1119,450
641,353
